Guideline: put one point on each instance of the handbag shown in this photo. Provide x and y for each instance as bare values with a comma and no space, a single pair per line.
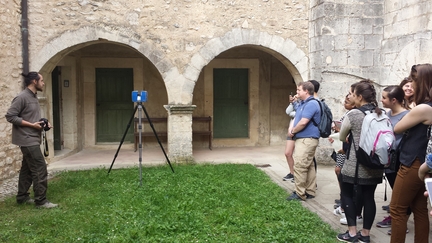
395,153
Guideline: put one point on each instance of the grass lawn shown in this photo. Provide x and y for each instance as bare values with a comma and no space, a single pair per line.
197,203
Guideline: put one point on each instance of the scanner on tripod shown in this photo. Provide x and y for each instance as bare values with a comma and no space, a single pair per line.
139,97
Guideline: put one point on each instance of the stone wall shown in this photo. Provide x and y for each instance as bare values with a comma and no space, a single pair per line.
170,33
379,40
407,38
10,82
177,28
343,41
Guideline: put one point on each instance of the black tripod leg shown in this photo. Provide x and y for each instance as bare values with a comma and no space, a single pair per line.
160,144
122,140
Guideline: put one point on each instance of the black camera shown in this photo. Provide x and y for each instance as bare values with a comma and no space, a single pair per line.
44,124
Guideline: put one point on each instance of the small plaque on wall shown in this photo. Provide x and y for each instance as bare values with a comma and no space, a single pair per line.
66,83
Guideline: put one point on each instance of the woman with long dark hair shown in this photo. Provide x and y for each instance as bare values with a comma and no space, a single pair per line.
356,176
393,98
408,188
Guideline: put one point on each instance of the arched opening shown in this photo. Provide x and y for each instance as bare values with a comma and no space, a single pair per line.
245,114
88,95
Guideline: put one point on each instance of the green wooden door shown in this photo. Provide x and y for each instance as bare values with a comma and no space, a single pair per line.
114,106
56,98
231,106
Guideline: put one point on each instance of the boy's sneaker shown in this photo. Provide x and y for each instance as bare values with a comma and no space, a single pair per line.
345,222
47,204
338,211
288,177
294,197
363,239
386,223
346,237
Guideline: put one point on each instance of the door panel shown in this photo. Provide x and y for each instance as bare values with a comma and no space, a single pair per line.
114,106
57,104
231,103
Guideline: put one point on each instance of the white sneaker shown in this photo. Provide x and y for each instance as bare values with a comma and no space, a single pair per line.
345,222
359,219
47,204
338,211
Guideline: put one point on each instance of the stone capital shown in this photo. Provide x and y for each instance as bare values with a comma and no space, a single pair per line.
179,109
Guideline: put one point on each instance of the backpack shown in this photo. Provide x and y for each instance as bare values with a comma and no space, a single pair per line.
376,141
326,118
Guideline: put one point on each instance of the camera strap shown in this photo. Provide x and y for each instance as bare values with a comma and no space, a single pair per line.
45,144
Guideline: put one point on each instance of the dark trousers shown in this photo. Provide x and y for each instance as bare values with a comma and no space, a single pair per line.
358,197
367,198
33,170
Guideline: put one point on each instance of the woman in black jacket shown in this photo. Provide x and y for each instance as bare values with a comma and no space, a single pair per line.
408,188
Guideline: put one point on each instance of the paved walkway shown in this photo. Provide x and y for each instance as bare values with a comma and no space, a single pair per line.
269,159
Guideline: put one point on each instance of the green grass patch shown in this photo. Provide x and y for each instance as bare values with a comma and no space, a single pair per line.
197,203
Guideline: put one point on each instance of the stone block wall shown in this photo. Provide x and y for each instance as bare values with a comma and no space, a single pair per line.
345,38
10,82
179,37
407,37
177,28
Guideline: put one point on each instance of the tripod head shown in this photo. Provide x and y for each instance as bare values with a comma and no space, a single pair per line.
139,96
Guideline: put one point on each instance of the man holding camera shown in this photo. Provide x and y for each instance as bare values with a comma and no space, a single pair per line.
24,114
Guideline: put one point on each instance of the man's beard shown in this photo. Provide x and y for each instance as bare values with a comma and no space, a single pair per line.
39,88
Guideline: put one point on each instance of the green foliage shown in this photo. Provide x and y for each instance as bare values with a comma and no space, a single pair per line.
197,203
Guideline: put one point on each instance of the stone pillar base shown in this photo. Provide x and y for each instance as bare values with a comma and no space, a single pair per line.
180,132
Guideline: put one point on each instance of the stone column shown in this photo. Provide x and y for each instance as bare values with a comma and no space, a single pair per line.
180,132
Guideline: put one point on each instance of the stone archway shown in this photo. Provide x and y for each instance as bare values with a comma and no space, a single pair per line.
285,50
70,41
179,86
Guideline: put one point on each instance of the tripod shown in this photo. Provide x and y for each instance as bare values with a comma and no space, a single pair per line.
140,107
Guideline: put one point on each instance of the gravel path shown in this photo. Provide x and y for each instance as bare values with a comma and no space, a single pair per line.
8,187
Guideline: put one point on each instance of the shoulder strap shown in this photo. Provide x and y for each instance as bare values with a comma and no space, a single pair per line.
321,109
362,109
357,163
45,144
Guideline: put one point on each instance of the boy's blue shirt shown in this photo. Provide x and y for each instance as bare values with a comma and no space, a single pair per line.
310,110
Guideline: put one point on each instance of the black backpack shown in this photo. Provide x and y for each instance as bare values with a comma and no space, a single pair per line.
325,124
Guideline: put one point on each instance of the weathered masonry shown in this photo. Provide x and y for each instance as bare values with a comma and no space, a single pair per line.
233,61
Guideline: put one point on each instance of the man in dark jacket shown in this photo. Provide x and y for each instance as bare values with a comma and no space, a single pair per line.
24,114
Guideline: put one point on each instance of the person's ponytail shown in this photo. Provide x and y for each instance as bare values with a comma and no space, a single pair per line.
28,78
